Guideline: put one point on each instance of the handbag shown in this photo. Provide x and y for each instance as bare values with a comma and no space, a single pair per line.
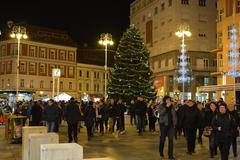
207,131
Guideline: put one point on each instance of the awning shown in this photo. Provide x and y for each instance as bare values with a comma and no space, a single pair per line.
215,88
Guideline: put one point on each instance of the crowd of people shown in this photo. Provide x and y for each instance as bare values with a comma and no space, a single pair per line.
217,121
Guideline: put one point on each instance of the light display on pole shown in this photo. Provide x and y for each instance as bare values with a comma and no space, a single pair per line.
233,56
183,69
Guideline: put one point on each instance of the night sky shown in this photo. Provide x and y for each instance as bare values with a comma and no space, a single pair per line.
83,19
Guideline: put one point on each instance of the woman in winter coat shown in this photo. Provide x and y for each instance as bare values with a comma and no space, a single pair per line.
223,125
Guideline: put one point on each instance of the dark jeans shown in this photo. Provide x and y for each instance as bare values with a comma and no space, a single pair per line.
90,130
119,123
213,144
200,133
50,126
151,123
72,128
166,131
101,121
191,138
132,119
234,145
140,123
123,122
224,147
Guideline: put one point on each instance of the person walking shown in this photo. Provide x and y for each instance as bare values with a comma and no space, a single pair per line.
50,114
89,118
72,115
151,118
132,112
36,115
191,121
210,113
234,114
167,122
140,112
223,125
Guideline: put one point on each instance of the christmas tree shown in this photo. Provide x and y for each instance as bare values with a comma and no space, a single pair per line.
131,74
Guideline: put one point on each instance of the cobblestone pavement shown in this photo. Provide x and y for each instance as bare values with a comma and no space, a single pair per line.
118,147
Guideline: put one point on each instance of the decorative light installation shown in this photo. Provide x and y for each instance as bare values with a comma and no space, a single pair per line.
233,58
183,70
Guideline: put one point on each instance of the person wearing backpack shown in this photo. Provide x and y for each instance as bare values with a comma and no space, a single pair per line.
223,125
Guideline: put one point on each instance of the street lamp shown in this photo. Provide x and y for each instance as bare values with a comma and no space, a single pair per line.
181,33
105,39
18,32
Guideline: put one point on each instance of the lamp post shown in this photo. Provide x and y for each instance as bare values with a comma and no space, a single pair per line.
182,33
18,32
105,39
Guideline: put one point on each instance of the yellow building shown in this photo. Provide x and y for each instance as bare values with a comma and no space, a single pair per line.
228,16
158,20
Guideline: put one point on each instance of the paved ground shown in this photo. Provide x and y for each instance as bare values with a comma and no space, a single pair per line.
119,147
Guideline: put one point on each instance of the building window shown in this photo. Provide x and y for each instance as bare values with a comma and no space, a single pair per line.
87,74
95,75
169,3
32,51
219,40
70,71
162,6
42,68
52,54
70,85
149,37
61,85
98,75
42,53
143,18
201,35
14,49
51,84
229,7
9,67
22,67
87,87
80,73
185,1
62,55
80,86
238,6
22,83
202,3
156,10
70,56
31,84
3,51
220,15
206,63
62,69
41,84
32,68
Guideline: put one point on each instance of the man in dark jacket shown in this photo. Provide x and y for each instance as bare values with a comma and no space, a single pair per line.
72,115
89,118
140,112
167,121
50,115
36,114
234,114
132,113
191,121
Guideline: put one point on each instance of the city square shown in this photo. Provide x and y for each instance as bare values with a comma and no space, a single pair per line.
135,79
